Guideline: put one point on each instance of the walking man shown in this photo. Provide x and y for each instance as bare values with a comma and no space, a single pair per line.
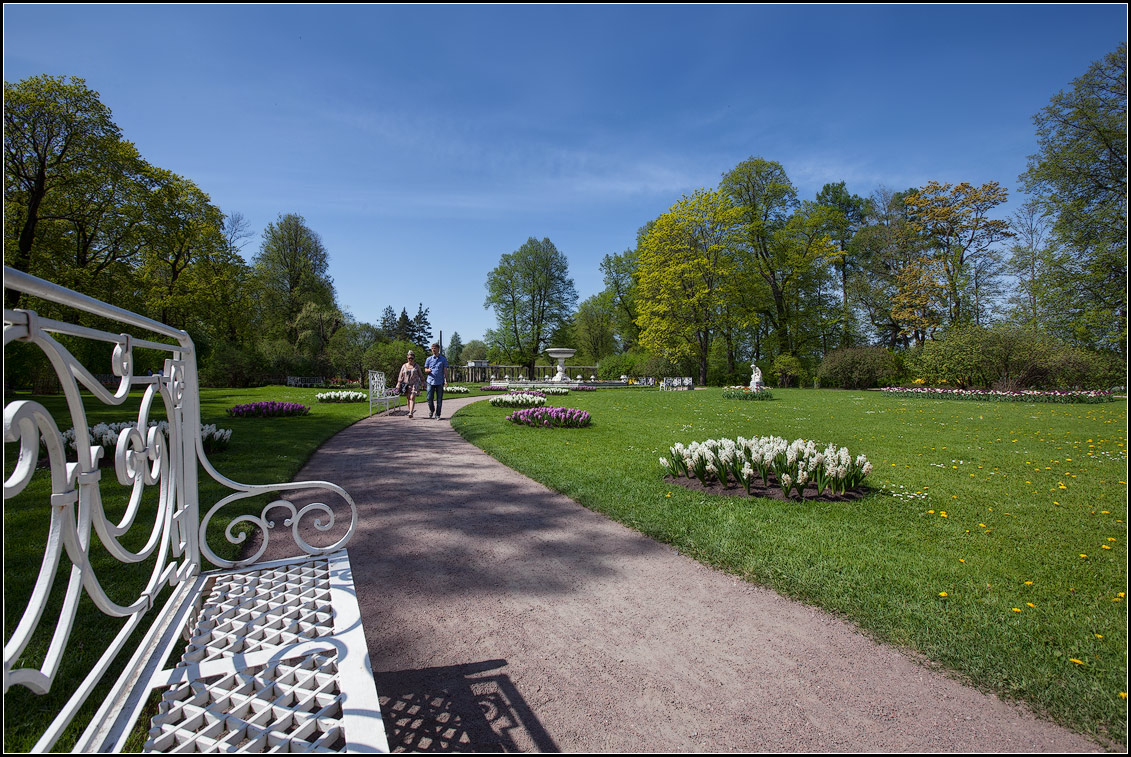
435,371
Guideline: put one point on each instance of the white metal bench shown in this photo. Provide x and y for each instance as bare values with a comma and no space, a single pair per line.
379,393
276,657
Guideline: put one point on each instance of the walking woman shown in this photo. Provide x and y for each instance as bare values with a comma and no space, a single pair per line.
409,381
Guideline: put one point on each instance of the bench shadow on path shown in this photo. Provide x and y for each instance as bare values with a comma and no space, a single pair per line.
458,708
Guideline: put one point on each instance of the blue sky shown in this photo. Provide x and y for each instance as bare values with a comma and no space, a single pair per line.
423,142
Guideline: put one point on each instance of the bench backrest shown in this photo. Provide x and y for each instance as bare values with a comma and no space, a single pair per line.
145,510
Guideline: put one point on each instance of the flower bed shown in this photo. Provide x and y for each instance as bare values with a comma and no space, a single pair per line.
745,393
519,399
494,388
557,391
584,388
449,389
793,465
551,417
268,410
342,397
993,395
106,435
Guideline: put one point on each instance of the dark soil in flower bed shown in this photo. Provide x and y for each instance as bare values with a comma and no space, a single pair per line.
773,491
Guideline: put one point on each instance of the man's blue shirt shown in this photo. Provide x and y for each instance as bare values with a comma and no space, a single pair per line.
439,366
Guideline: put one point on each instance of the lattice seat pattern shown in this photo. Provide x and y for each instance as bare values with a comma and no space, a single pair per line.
291,706
268,608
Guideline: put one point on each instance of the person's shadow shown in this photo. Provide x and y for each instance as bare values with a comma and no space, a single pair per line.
458,708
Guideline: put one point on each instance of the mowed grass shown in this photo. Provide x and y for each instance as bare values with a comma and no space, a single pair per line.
993,539
262,451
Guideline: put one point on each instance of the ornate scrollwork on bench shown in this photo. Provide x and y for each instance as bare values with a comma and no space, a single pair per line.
138,505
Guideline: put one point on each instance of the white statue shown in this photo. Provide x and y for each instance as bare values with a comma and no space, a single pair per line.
756,378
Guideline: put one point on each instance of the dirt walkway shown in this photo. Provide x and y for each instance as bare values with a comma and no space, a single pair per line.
502,616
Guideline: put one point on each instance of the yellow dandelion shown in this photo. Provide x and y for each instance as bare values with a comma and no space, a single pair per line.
1017,609
1098,635
943,594
1073,659
1123,695
1030,604
1028,583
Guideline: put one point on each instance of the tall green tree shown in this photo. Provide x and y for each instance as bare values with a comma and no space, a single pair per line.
1030,254
52,129
73,189
388,324
421,328
182,229
403,331
847,215
593,327
476,349
956,219
531,293
620,291
781,245
1079,177
348,345
454,352
883,246
688,277
292,267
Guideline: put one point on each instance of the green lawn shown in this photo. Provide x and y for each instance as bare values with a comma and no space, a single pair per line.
1011,536
1016,511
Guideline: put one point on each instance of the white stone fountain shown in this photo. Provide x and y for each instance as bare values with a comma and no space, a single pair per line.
560,354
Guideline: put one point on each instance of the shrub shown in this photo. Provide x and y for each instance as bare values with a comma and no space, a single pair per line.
1009,358
787,369
955,360
231,365
858,368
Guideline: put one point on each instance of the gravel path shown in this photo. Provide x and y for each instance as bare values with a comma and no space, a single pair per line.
502,616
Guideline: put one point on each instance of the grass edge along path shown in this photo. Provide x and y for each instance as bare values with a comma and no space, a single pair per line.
993,540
